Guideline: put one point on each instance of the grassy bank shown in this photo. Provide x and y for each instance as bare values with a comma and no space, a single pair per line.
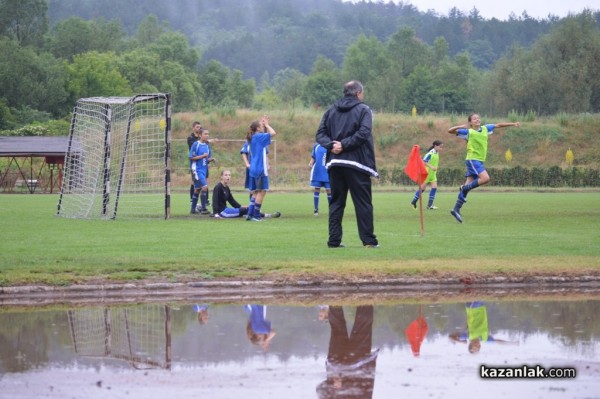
505,233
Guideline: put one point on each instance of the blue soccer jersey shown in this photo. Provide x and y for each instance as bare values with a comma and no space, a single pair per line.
200,166
259,163
319,171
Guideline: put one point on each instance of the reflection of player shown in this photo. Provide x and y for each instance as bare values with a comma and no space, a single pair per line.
202,311
477,328
350,361
416,332
258,327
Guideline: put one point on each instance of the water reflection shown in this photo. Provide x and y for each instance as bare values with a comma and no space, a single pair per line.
350,362
309,351
477,330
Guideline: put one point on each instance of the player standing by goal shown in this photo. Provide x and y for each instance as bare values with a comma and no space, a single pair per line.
318,175
200,157
476,136
192,138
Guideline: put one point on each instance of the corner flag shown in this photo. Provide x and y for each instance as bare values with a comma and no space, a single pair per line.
416,170
415,167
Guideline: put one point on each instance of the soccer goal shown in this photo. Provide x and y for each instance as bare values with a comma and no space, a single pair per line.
139,335
118,158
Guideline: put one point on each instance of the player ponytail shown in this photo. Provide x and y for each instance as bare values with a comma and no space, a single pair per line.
435,144
253,128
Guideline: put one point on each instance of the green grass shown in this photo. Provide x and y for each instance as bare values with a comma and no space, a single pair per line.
504,233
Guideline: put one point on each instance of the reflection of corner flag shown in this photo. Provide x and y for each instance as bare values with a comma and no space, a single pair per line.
415,167
416,332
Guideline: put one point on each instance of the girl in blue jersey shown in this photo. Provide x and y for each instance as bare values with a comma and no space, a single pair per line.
259,138
200,156
476,136
318,175
432,161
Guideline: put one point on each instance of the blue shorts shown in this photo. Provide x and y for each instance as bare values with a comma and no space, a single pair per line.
199,180
259,183
474,168
319,184
228,213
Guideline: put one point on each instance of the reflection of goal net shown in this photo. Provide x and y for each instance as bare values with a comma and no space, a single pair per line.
140,335
118,158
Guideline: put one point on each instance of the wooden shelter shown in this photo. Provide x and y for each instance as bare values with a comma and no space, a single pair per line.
32,164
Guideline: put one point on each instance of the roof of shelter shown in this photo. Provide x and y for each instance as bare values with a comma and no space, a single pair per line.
33,146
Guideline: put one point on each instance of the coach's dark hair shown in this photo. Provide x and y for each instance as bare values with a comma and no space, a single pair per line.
352,88
436,142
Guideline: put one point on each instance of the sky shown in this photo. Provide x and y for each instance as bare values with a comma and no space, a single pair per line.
501,9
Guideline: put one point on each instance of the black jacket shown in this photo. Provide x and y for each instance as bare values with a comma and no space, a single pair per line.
349,121
221,196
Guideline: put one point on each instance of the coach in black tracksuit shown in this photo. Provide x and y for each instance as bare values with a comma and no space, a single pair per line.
345,131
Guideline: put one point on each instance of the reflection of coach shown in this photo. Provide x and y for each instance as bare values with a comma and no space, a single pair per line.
350,361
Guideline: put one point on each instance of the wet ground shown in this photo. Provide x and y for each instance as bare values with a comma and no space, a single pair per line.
268,340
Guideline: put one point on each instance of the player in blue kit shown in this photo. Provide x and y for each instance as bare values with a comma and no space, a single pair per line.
200,157
259,137
318,175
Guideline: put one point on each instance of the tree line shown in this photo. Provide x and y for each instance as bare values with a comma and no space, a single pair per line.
45,67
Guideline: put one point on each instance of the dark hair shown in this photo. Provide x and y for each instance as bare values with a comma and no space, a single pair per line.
435,143
352,88
196,123
253,128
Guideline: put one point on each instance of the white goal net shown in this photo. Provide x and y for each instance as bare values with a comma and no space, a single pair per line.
139,335
118,158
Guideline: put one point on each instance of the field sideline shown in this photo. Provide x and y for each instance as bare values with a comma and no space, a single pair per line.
504,234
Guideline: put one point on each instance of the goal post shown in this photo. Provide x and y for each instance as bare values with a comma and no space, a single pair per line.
118,160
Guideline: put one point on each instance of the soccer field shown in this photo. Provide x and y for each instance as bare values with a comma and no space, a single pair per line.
504,233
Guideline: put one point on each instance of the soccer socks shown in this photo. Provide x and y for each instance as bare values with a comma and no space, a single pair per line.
316,195
256,213
203,199
194,202
251,208
329,198
431,197
468,187
416,197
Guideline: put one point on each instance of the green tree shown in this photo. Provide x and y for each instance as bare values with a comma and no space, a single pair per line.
213,77
31,79
366,59
25,21
324,85
76,35
289,85
174,46
96,74
418,90
149,30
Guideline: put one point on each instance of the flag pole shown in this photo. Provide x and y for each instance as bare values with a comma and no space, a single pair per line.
421,207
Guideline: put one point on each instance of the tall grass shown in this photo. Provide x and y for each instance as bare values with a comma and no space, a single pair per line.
503,233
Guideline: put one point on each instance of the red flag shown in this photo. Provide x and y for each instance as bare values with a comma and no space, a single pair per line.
415,333
415,167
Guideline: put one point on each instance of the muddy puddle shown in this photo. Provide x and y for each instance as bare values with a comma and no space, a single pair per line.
467,346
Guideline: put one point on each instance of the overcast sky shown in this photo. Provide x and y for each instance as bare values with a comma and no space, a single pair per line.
501,9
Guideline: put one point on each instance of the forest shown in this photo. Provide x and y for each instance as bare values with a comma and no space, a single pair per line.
282,54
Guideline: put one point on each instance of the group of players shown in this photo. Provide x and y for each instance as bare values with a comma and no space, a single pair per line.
224,205
254,154
343,162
